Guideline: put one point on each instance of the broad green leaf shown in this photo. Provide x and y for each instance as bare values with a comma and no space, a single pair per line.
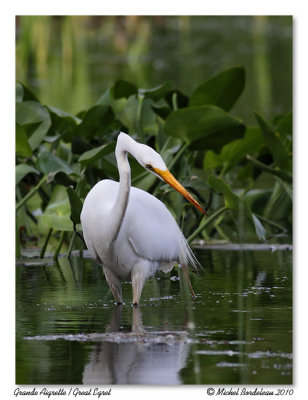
235,151
91,156
31,112
75,205
274,143
147,121
22,170
247,176
48,162
138,116
24,94
57,222
58,202
105,99
231,199
63,125
158,92
57,213
205,127
22,148
108,100
63,114
124,89
128,115
97,121
222,90
60,178
212,160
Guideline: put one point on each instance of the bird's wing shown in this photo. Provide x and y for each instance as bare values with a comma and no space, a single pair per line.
151,229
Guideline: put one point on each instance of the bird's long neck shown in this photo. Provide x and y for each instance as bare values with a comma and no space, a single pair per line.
124,146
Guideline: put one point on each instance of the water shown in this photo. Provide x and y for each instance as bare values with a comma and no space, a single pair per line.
237,331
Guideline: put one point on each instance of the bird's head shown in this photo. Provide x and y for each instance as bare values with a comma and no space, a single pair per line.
153,162
150,160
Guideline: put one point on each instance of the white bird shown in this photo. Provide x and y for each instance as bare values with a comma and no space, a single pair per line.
129,232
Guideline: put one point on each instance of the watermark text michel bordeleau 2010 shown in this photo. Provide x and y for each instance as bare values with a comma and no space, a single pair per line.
242,391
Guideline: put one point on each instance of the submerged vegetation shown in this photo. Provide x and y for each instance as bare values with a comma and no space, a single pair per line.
242,174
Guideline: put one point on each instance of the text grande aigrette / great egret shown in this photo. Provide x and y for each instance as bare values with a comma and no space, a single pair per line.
129,232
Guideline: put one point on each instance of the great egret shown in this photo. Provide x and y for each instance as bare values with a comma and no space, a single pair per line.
129,232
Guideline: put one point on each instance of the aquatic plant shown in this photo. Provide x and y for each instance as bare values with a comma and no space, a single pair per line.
241,174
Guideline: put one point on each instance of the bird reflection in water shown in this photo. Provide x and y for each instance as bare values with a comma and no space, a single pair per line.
137,357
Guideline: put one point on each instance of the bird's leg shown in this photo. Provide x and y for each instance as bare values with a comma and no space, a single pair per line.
186,274
116,319
137,326
139,275
115,284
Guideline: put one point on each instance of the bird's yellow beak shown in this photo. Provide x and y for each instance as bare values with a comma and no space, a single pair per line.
170,179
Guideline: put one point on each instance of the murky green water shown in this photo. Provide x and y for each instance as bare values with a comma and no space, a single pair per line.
237,331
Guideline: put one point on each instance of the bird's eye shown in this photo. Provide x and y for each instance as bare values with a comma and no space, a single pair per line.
149,166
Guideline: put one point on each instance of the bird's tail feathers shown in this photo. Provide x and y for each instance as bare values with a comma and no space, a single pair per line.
188,257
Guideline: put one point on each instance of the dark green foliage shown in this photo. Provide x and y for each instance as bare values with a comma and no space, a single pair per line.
241,174
205,127
75,204
223,90
124,89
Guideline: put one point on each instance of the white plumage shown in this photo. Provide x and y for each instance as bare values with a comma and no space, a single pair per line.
130,232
